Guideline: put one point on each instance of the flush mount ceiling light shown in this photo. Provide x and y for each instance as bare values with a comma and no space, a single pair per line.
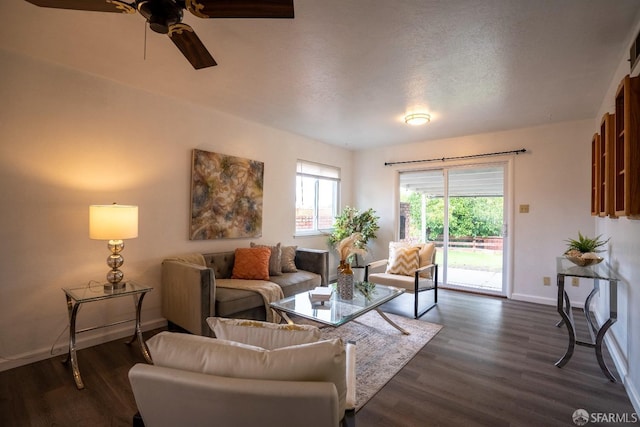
417,119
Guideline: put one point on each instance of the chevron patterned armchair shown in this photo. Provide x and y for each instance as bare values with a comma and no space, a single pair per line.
410,266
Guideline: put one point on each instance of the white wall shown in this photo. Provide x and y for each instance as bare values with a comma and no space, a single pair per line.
624,256
68,140
550,177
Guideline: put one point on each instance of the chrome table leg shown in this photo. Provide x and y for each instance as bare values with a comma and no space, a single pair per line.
71,355
613,317
137,300
391,322
587,313
566,318
598,346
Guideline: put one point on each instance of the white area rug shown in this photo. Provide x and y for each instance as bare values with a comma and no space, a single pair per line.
382,350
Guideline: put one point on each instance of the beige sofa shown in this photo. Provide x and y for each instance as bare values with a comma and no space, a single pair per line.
190,294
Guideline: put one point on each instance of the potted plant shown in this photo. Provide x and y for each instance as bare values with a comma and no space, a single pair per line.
352,221
584,250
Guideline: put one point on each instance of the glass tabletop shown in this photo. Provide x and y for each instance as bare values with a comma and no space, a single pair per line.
336,311
95,291
601,270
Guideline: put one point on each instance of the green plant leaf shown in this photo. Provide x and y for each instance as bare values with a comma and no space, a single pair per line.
586,244
351,221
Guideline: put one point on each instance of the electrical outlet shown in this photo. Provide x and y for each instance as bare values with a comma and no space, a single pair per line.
524,208
546,280
575,281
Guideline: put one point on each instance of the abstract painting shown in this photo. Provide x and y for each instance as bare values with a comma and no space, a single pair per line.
226,196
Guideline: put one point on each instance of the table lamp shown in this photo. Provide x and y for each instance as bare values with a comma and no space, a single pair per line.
113,223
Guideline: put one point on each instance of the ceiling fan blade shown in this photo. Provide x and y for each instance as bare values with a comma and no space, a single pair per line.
116,6
241,8
183,36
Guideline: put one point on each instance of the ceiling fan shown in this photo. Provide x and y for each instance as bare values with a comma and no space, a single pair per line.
165,17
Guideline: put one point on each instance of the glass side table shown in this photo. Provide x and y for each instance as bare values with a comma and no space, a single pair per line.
597,272
78,296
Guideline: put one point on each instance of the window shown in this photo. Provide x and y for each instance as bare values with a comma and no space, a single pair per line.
317,188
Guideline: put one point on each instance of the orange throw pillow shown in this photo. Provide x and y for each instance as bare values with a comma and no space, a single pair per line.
251,263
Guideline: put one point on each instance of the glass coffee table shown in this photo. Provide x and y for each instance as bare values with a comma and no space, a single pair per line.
337,311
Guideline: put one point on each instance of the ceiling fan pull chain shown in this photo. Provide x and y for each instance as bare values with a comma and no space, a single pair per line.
144,49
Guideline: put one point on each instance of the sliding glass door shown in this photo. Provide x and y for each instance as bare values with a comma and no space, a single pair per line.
462,210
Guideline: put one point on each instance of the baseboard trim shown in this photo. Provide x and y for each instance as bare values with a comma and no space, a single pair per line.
533,298
622,365
633,394
543,300
85,340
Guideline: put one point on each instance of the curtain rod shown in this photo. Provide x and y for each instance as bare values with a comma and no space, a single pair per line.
472,156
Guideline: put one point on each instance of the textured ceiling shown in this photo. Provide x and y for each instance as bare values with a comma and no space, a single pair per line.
345,72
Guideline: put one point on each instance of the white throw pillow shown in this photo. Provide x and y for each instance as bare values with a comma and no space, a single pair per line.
320,361
263,334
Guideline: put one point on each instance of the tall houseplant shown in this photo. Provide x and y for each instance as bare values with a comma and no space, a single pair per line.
351,221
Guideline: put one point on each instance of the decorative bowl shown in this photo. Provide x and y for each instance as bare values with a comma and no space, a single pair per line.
584,262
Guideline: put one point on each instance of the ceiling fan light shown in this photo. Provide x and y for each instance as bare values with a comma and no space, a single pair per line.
417,119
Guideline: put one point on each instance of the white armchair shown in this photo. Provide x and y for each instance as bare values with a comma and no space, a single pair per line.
411,267
172,397
203,381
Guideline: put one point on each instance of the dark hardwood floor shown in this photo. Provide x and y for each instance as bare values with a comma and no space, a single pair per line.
491,365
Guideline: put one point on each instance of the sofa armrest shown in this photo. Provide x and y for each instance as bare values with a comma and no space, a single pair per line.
315,261
172,397
188,295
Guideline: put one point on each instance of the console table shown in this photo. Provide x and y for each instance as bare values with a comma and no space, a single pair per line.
78,296
597,272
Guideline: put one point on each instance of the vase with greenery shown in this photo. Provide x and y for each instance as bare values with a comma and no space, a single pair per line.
584,250
352,221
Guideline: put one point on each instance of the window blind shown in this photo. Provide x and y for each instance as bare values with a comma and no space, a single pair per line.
317,170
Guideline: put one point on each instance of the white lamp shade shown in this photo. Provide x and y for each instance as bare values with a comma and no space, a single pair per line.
113,222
